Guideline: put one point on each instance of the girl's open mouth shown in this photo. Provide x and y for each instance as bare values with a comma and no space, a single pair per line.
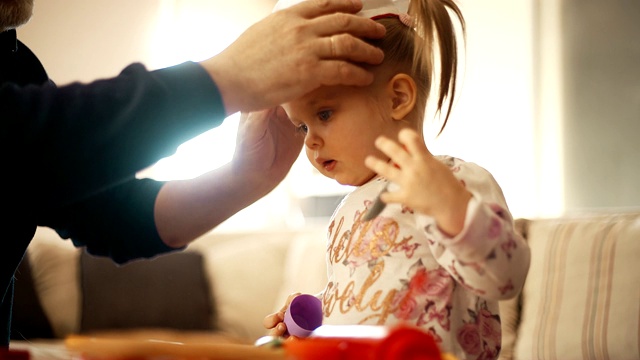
329,165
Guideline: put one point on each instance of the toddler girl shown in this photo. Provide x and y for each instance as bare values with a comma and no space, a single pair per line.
443,251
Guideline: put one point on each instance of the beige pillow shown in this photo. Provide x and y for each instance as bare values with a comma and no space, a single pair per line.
54,264
305,269
245,273
582,294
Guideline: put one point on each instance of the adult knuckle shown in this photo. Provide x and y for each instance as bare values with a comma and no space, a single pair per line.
343,70
344,44
343,21
322,4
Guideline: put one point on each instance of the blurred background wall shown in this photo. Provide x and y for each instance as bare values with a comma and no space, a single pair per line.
601,76
549,100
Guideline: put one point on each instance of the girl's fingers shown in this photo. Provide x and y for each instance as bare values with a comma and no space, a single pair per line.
381,168
278,330
272,320
413,143
396,152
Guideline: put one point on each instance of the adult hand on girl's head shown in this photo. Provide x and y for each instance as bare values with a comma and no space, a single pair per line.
294,51
267,145
425,184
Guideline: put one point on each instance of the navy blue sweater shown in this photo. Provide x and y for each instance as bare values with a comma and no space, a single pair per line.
69,155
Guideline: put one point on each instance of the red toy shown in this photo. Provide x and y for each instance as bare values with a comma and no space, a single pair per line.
364,343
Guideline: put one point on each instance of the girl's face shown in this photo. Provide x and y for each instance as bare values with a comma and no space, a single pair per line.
340,125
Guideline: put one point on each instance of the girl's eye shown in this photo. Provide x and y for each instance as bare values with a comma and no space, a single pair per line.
302,128
324,115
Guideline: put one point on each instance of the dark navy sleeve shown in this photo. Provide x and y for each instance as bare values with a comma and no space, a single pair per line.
71,152
81,139
117,222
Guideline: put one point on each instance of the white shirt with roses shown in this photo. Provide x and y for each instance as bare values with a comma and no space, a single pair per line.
400,268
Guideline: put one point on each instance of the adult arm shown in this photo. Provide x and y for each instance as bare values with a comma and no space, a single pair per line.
80,139
143,218
266,147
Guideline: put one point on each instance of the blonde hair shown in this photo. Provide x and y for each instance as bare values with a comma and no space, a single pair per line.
412,49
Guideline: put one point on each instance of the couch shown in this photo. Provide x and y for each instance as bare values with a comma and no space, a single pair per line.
581,299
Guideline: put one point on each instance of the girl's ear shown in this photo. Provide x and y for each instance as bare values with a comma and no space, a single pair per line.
402,89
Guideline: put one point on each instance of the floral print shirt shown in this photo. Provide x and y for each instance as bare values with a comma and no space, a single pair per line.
399,267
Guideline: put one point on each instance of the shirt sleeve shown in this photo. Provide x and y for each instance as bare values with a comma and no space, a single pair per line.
118,222
488,257
80,139
72,152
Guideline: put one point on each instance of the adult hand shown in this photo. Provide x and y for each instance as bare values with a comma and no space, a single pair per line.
266,147
293,51
425,184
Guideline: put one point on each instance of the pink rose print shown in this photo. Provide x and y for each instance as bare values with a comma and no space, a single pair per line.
419,279
440,285
488,354
507,287
405,305
425,296
372,240
508,246
469,339
432,313
408,247
487,328
497,209
490,329
494,229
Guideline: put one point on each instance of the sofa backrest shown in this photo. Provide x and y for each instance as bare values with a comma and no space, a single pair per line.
581,299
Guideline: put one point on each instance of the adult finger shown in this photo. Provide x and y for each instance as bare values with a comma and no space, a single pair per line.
347,47
338,72
314,8
332,24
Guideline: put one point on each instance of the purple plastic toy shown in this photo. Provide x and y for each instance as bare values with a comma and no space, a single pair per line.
303,315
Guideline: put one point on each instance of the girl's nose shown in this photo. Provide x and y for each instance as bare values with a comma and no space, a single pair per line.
312,140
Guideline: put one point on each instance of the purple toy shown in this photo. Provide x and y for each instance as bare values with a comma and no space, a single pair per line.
303,315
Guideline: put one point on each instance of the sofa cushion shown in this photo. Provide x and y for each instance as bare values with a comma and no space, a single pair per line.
168,291
28,320
305,269
246,274
54,266
581,296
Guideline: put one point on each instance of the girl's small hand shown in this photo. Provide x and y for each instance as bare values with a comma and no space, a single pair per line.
425,184
275,322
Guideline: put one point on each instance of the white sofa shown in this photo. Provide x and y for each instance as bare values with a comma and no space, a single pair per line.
581,299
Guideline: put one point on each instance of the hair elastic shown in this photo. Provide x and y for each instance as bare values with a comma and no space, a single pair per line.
404,18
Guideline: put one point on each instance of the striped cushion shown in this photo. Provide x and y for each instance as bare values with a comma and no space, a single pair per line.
581,299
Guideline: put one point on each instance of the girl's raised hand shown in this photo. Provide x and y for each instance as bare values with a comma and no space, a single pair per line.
424,183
